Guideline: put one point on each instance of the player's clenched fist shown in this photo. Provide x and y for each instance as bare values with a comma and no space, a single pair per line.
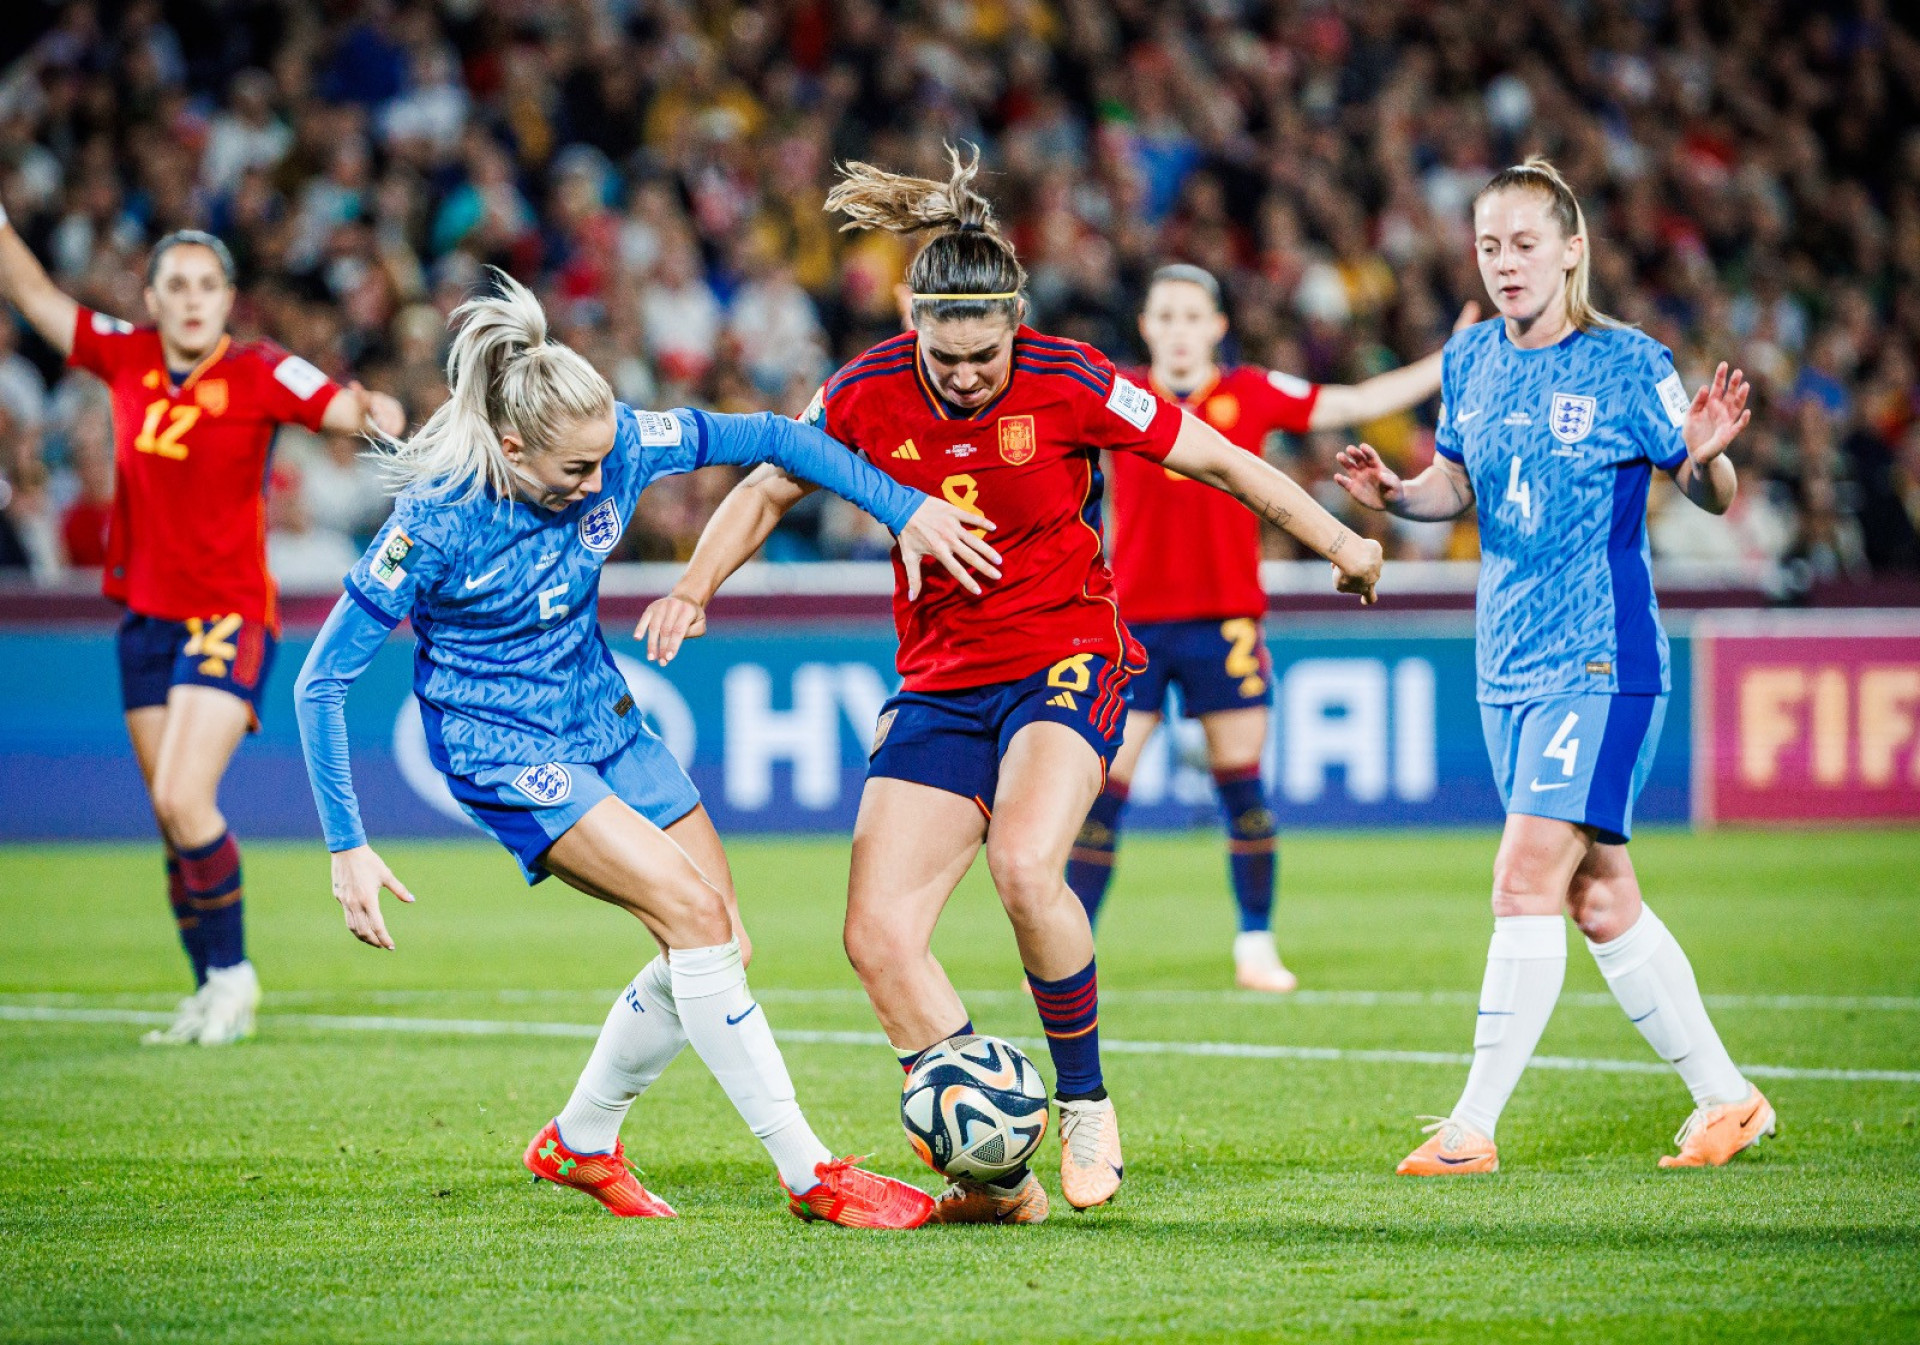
1356,566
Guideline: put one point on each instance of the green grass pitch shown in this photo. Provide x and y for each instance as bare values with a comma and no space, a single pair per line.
329,1183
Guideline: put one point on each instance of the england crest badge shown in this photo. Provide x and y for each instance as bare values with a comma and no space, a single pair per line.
545,784
600,528
1570,417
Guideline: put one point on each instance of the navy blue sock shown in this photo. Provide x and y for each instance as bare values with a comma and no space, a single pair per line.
185,920
1090,865
1070,1014
908,1059
211,875
1252,845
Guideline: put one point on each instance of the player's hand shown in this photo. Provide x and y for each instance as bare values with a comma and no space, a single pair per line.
950,536
1719,412
1469,314
387,415
1356,567
668,623
358,876
1367,478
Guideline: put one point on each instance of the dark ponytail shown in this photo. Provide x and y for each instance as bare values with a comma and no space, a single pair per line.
967,269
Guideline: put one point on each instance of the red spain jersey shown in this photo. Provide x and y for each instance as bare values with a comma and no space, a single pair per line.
188,536
1030,461
1183,551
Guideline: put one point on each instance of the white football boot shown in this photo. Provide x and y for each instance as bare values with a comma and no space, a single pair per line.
188,1018
232,996
1257,964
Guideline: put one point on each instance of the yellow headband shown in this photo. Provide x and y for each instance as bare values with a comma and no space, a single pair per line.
979,298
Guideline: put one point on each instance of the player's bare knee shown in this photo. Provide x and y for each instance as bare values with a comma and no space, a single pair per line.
875,947
186,819
692,914
1028,880
1519,890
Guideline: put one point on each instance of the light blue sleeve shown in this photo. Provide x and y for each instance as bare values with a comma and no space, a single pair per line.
346,646
803,451
407,557
1446,437
1661,407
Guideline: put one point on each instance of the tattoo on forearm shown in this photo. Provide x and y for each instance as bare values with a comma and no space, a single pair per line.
1275,515
1338,543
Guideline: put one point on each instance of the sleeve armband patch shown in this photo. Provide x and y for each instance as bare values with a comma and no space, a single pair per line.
298,377
816,412
110,326
658,429
1673,396
390,566
1133,404
1297,388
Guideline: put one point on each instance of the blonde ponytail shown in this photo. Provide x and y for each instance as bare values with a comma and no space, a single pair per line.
1538,175
503,375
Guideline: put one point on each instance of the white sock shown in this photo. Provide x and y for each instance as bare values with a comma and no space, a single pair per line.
641,1037
1526,963
1651,977
731,1034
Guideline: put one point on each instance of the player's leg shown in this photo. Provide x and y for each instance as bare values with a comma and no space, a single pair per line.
1236,741
912,844
614,853
203,727
145,727
1090,863
1048,775
1526,965
1652,979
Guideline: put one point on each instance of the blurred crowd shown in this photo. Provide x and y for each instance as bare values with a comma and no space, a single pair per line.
1750,168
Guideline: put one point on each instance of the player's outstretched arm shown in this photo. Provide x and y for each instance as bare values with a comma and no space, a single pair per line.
355,410
1204,454
1340,405
345,647
1716,416
29,289
1443,491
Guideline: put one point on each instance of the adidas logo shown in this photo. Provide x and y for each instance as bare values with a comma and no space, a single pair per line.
907,451
1064,700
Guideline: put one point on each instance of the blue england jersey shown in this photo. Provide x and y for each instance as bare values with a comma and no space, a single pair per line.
510,665
1561,444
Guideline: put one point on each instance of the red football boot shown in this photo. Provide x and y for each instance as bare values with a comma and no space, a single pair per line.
852,1197
605,1177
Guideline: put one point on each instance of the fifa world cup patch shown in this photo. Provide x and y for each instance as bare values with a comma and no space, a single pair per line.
658,429
816,412
545,784
600,527
1018,442
298,377
1132,403
1673,397
1297,388
1570,417
390,566
110,326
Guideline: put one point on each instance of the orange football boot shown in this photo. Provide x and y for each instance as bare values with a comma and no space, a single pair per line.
1712,1135
1454,1149
852,1197
974,1202
605,1177
1090,1162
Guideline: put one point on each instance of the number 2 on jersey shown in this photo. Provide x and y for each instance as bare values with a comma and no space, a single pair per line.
1518,491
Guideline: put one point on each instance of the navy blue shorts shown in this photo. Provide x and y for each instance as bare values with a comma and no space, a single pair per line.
1218,665
1581,758
528,808
953,740
215,651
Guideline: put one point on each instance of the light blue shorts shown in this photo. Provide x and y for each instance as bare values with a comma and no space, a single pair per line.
528,808
1580,758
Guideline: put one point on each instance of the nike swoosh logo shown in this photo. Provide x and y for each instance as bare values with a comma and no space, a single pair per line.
1539,788
475,582
1465,416
1456,1162
735,1022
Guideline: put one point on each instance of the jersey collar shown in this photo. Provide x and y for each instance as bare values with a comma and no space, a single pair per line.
946,410
207,361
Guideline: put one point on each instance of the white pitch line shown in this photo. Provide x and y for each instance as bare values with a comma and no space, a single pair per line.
485,1027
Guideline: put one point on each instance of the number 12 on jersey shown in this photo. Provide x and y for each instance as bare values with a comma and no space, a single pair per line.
1518,491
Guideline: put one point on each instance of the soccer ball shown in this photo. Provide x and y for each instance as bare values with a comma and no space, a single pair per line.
974,1107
